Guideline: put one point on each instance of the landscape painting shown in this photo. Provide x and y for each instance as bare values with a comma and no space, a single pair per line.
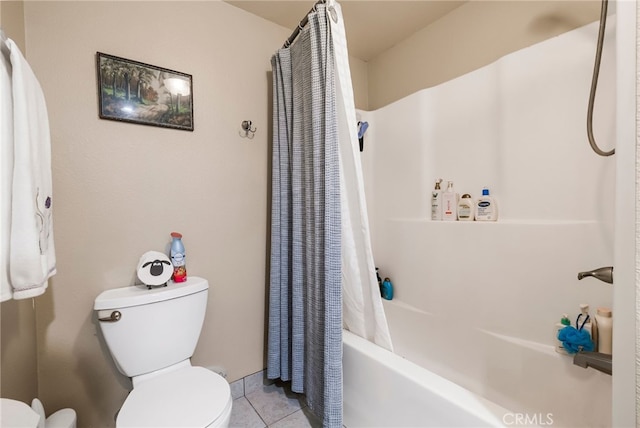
132,91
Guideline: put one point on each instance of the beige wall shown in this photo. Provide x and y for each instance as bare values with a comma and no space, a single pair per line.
18,374
120,188
108,176
12,21
18,377
471,36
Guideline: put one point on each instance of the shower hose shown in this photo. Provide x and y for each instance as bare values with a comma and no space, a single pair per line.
594,83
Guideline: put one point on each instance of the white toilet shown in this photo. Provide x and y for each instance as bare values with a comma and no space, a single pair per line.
152,334
15,413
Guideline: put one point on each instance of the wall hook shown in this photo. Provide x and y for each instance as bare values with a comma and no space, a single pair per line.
247,131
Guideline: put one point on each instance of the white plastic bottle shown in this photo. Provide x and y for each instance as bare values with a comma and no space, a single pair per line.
605,329
486,207
588,323
466,208
449,203
436,202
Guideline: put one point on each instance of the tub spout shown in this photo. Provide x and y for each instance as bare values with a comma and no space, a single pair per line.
595,360
604,274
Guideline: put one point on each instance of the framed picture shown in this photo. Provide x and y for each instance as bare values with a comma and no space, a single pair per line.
131,91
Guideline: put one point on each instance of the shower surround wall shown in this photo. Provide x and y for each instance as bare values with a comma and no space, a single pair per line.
477,302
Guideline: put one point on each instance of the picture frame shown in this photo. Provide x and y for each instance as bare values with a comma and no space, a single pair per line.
132,91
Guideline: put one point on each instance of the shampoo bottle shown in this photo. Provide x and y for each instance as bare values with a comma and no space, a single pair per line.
605,327
466,209
436,201
450,203
178,258
387,289
486,207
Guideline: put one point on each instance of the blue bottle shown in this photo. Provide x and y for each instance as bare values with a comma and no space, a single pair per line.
387,289
178,258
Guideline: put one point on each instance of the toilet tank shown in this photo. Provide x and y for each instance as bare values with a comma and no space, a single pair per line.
156,327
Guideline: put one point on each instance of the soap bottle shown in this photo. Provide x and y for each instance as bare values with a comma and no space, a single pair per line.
436,201
564,322
605,328
450,203
466,209
387,289
379,281
178,257
585,322
486,207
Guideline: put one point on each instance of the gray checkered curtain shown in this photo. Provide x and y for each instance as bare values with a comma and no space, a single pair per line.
305,296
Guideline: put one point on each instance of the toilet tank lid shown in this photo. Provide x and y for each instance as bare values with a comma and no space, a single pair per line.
136,295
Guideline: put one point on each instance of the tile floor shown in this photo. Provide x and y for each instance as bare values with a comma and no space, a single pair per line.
258,402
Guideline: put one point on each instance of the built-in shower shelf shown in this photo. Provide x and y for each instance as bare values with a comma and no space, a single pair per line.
505,222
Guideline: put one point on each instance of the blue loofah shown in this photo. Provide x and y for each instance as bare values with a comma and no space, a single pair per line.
574,340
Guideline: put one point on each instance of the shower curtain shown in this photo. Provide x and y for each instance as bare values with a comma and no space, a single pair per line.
320,250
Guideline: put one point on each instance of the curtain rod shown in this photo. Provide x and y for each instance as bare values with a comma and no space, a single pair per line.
301,25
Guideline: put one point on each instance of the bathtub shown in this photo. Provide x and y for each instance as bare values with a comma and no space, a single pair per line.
480,370
382,389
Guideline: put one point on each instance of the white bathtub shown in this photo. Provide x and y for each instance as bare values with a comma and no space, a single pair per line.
538,385
382,389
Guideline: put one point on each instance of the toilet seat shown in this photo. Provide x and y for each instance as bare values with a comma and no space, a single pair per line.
187,397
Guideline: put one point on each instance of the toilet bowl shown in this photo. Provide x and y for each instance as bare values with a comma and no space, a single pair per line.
64,418
151,335
15,413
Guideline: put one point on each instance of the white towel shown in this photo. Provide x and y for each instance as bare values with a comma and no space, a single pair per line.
6,167
31,259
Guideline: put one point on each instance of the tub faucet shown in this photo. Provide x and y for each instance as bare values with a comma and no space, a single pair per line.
603,274
595,360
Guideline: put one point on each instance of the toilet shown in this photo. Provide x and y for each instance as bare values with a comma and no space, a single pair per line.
151,335
15,413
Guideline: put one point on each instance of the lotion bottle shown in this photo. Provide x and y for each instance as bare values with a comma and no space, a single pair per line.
486,207
466,208
449,203
436,202
605,327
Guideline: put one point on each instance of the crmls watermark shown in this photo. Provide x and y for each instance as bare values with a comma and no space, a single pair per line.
528,419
